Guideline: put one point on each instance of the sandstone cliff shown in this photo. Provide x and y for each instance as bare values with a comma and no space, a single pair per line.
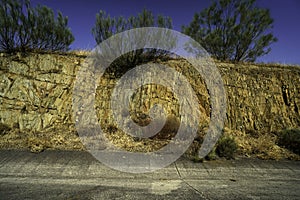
36,99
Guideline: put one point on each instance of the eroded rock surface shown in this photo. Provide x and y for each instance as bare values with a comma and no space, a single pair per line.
36,97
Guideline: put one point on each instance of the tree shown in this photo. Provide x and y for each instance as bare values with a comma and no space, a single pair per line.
234,30
107,26
23,28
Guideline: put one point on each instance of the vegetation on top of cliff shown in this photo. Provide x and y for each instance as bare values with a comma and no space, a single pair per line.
233,30
106,26
230,30
24,28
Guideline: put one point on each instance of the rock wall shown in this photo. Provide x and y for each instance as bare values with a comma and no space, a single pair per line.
36,93
36,90
262,98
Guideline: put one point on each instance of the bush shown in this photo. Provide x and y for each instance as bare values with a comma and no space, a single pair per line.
23,28
106,26
4,129
226,147
290,139
212,155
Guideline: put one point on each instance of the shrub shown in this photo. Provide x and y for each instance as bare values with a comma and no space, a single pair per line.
212,155
23,28
290,139
226,147
106,26
4,129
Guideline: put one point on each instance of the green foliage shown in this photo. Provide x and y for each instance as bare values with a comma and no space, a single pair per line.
107,26
226,147
233,30
290,139
212,155
23,28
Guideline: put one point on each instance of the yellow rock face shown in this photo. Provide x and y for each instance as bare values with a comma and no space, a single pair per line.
36,94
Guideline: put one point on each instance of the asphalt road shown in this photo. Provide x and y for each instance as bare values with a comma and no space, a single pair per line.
77,175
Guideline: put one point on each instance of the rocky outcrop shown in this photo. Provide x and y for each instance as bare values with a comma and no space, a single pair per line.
36,90
262,97
36,94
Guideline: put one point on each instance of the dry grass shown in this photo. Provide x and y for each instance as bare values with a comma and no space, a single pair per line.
129,143
80,52
261,145
38,141
250,144
134,144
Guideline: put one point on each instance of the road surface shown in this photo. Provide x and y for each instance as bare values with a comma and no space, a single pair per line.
77,175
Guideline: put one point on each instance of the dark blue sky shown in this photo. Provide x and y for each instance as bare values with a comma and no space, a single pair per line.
81,14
